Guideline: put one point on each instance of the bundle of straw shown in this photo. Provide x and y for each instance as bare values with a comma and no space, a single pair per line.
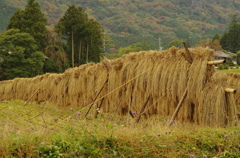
155,78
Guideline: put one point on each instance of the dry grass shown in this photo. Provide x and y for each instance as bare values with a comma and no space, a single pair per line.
164,75
43,130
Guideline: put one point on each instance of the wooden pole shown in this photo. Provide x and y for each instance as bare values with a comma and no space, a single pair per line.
188,55
143,107
96,114
49,100
178,107
96,97
129,108
31,97
117,105
131,114
61,96
237,98
184,55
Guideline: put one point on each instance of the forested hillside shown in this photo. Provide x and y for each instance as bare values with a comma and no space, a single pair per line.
131,21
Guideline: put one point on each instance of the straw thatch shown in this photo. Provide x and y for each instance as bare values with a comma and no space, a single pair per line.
131,79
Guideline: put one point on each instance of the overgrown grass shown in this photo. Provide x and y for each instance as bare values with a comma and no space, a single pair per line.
45,130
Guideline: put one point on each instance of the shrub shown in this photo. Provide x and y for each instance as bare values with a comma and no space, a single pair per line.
238,57
229,61
225,66
220,67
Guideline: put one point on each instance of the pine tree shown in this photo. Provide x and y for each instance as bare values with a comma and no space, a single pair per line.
84,36
233,35
71,27
224,41
231,40
16,20
216,37
31,20
94,41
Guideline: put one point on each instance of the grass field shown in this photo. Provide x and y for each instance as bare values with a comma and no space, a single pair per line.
229,70
45,130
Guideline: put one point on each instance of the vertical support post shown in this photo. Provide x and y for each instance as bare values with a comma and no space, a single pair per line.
96,114
178,107
96,97
31,98
143,107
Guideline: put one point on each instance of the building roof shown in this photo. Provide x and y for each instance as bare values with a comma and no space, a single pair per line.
221,54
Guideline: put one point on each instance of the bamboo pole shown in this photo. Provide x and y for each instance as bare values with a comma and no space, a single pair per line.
230,90
143,107
117,105
129,108
61,96
96,113
188,57
237,98
48,100
13,94
218,62
31,97
96,97
178,107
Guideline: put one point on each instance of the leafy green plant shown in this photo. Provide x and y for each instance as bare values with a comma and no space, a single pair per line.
104,138
220,67
48,150
225,66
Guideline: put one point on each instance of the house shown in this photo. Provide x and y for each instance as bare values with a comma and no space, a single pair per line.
221,55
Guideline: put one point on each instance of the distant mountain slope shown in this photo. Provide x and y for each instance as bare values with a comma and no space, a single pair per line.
129,21
6,12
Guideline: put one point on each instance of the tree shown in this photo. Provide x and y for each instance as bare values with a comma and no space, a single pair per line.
70,25
107,45
94,41
83,37
216,37
19,55
176,43
16,20
136,47
56,60
31,20
224,41
213,44
238,58
234,35
231,40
